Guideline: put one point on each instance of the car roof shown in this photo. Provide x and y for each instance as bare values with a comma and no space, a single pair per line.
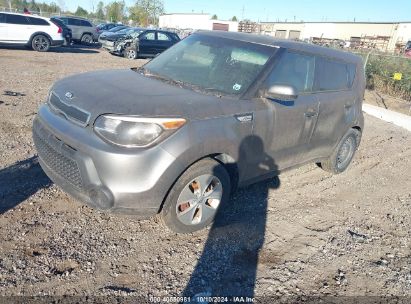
74,17
26,15
283,43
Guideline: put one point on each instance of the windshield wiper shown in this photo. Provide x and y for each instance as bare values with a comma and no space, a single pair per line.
179,83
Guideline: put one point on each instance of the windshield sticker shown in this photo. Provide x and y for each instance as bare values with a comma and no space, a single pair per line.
237,87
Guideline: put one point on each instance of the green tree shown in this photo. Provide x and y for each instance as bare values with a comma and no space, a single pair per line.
214,17
81,12
100,11
234,18
146,12
116,11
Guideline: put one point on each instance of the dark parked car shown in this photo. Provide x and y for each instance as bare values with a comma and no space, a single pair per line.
214,112
108,39
103,27
67,34
103,35
148,43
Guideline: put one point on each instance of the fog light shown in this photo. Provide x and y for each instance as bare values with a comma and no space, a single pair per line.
101,197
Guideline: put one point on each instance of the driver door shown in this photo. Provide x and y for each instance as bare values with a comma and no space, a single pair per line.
287,126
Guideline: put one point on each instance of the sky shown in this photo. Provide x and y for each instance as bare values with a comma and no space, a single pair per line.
274,10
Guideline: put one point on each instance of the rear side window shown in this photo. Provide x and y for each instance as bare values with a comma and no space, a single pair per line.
333,75
16,19
294,69
75,22
163,37
85,23
37,21
2,18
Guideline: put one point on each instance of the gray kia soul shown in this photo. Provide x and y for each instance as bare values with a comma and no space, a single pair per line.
215,112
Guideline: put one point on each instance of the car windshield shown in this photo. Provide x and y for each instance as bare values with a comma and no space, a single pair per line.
211,64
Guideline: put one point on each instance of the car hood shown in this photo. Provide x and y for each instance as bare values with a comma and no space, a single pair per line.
115,37
131,93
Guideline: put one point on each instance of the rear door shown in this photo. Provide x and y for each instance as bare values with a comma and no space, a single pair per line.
76,28
333,82
148,43
287,127
164,41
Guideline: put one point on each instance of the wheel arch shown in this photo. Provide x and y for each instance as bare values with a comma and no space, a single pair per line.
226,160
39,33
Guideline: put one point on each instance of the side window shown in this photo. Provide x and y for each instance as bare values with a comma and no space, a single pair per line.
64,20
73,21
294,69
2,18
333,75
148,36
16,19
85,23
163,37
37,21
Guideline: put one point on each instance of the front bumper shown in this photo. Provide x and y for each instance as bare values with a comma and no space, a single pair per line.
101,175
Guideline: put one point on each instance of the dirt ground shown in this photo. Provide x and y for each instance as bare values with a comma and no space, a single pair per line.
313,233
388,102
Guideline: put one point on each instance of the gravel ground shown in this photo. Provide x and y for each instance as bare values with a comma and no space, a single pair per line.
307,233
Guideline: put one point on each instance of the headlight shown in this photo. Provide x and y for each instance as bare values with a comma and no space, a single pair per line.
134,131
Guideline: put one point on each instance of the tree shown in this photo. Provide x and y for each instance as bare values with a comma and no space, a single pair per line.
81,12
100,11
116,11
146,12
234,18
214,17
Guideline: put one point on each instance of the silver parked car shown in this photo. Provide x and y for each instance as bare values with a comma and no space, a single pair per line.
214,112
82,29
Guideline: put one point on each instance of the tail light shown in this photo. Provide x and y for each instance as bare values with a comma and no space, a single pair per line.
60,30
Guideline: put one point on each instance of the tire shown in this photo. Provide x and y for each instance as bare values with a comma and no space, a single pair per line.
40,43
130,53
86,39
342,156
193,201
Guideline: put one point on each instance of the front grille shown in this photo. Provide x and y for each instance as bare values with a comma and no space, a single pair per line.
71,112
60,164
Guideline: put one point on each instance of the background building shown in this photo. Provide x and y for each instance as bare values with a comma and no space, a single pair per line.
384,36
196,22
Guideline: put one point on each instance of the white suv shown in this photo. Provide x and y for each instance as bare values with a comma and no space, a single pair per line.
21,29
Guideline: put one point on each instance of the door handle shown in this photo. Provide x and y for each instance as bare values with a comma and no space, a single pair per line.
310,113
348,105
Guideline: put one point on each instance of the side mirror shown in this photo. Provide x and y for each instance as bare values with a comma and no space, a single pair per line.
282,92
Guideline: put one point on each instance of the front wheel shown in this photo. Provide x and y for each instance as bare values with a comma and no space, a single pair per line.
130,53
195,198
342,156
40,43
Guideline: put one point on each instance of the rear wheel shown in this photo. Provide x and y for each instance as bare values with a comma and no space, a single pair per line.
87,39
40,43
342,156
195,198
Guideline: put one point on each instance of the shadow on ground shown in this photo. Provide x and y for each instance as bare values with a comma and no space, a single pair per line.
19,181
228,264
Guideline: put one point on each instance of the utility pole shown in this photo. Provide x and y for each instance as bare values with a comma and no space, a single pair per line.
9,5
242,18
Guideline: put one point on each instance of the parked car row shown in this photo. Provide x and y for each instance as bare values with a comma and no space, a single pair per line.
41,33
